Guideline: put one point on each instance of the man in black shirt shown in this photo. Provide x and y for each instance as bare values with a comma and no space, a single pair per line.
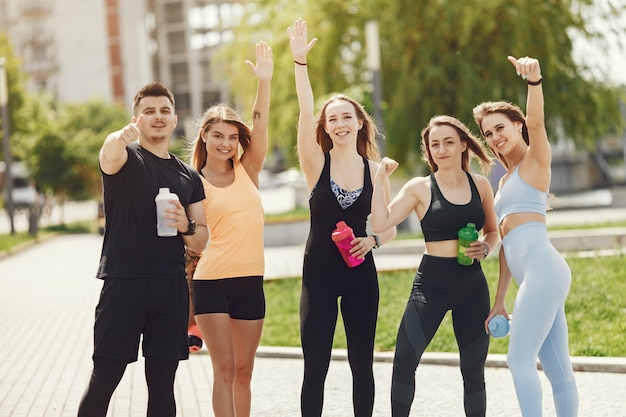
145,293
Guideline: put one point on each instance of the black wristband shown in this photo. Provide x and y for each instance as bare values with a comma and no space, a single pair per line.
300,63
192,228
539,81
377,240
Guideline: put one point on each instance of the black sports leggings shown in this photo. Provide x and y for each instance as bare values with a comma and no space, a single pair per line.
107,374
441,284
358,292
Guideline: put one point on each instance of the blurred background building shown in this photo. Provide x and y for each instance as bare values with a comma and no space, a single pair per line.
84,49
81,49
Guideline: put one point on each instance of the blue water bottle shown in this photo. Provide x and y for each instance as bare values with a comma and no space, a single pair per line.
499,326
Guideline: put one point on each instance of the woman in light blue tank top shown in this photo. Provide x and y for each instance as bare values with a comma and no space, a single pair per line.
539,329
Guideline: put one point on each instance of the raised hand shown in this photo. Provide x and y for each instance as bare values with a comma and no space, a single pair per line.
300,47
386,167
264,67
526,67
130,132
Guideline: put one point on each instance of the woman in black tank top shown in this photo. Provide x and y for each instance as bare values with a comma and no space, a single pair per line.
444,202
337,153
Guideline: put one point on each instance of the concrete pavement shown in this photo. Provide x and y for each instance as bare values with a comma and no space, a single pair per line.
47,300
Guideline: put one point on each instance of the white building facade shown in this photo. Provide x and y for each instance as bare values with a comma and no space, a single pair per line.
84,49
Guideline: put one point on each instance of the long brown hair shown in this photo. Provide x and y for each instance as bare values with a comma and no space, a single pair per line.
511,111
366,144
215,114
474,145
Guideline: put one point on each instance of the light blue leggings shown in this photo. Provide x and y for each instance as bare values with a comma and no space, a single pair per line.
538,328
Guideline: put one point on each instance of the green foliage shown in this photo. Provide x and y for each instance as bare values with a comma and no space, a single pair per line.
58,141
439,57
63,154
594,308
15,88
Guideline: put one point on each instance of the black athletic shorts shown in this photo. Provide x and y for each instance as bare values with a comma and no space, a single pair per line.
128,308
242,298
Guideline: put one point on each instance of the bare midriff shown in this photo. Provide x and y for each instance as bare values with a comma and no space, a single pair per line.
443,248
511,221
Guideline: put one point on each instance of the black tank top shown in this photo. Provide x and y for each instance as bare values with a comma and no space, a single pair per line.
443,219
326,212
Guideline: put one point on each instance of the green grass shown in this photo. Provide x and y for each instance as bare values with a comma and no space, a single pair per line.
9,241
297,214
595,310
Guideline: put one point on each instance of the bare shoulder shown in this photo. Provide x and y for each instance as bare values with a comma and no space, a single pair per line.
482,184
373,165
480,180
417,185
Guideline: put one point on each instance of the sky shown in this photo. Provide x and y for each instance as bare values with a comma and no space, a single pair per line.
613,59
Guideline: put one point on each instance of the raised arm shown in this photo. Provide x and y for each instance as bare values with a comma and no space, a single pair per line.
310,153
539,154
254,156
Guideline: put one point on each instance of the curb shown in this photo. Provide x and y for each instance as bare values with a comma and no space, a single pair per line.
494,360
574,240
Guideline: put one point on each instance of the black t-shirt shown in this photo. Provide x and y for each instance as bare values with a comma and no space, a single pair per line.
131,247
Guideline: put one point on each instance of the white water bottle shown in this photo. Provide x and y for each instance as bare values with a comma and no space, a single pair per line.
162,202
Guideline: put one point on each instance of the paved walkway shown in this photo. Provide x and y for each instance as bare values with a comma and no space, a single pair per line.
47,300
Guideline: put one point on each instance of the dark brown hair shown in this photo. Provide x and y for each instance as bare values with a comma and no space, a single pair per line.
155,89
511,111
474,145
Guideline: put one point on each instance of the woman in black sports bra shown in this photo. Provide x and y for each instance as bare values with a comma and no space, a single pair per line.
444,202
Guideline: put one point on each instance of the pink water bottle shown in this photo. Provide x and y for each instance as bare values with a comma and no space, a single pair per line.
343,236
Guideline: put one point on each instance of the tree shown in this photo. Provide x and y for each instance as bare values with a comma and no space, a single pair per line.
438,57
63,156
336,64
15,88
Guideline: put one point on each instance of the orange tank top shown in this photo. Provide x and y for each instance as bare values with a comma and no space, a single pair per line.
235,220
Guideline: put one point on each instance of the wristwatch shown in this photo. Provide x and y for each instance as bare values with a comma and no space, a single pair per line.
192,228
377,240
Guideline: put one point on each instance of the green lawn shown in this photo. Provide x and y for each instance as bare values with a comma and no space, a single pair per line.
9,242
595,309
596,312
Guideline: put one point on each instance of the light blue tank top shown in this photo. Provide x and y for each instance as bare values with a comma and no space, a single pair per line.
517,196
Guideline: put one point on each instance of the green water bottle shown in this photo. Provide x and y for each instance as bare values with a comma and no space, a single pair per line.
466,235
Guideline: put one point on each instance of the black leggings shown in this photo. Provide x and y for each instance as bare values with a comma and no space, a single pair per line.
107,374
441,285
358,291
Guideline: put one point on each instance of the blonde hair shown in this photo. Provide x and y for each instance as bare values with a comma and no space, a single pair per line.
216,114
